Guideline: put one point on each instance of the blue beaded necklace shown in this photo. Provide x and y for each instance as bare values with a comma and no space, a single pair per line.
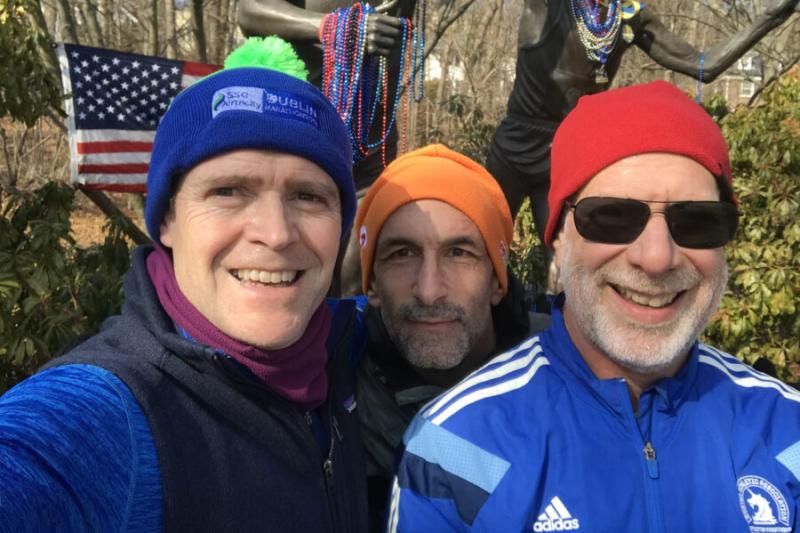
597,36
417,69
357,83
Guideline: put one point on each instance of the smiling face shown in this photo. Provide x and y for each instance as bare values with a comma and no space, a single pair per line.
639,307
254,237
435,285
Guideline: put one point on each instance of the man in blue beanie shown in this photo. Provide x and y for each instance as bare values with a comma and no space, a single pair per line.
221,399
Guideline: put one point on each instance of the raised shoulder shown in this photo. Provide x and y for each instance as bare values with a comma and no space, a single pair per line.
76,454
538,18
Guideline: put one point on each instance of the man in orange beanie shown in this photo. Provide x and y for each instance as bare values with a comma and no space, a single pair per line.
434,232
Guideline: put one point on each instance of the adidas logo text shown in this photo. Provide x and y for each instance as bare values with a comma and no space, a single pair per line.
556,518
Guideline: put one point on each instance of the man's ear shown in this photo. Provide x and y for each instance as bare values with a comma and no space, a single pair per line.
372,294
554,285
557,250
497,291
165,230
559,242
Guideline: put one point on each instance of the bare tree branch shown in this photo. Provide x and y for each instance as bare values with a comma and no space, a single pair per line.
772,79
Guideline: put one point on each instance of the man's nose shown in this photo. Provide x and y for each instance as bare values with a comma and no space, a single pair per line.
270,222
654,251
430,284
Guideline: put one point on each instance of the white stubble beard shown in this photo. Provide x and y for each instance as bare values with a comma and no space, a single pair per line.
642,348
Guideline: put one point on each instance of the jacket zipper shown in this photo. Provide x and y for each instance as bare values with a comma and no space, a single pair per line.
651,474
329,470
327,465
650,460
653,489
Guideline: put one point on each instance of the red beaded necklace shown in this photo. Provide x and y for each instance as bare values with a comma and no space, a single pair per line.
358,84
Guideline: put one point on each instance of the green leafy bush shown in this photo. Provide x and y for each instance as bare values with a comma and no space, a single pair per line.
28,88
528,257
51,290
759,314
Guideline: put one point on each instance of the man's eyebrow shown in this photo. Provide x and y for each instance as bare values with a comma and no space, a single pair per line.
320,187
393,242
461,240
231,179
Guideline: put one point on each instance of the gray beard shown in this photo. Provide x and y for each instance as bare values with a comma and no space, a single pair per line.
431,350
642,348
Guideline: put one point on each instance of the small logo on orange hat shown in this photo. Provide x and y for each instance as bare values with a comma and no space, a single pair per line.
362,237
503,249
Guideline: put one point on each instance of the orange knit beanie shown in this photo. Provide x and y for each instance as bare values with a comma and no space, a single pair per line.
437,173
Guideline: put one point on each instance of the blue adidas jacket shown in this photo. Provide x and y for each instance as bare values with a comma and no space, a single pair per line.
534,442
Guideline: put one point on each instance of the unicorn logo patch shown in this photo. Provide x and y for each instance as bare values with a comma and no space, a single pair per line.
763,506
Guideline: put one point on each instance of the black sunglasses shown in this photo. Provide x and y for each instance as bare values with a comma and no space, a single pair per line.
621,220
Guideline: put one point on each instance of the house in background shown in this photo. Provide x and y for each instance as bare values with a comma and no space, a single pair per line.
739,82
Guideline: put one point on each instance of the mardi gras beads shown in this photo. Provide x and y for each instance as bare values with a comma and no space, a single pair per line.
598,36
358,84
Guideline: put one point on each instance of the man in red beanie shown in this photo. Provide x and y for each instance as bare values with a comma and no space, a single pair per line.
616,418
441,298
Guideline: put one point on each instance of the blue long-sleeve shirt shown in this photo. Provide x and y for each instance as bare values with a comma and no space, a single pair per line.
76,454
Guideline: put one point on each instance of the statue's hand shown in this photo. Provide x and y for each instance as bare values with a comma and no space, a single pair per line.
383,34
386,7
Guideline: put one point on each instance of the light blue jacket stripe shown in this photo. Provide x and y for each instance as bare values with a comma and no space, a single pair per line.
735,365
455,454
497,368
790,457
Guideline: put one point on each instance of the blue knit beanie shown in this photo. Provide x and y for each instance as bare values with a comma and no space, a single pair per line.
248,107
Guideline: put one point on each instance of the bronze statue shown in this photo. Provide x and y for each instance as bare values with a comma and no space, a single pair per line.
558,61
299,21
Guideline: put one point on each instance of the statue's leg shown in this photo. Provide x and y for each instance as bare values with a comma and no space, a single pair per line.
517,185
507,177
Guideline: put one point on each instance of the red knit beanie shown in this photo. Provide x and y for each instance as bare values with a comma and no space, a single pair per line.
612,125
437,173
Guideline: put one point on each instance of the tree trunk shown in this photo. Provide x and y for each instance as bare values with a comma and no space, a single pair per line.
152,29
172,31
198,31
212,30
89,12
233,32
69,33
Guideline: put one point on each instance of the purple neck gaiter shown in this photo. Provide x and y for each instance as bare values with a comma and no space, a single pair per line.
296,372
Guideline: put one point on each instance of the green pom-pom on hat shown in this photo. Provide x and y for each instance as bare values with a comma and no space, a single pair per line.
268,52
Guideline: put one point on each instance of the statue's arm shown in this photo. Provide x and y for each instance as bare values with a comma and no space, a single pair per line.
674,53
278,17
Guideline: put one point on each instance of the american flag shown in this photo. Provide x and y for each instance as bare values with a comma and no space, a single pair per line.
116,102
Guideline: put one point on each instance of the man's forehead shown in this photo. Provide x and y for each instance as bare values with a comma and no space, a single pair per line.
653,176
260,165
429,222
